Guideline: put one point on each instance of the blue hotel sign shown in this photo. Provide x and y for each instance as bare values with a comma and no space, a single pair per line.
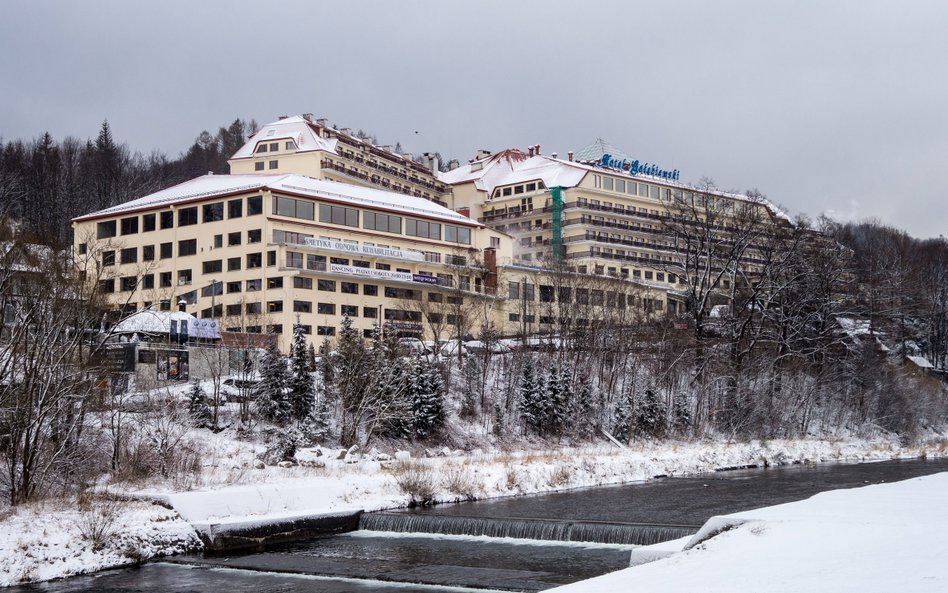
637,168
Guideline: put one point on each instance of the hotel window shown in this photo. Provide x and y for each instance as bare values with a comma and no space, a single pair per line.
129,226
271,258
275,282
349,310
148,223
254,236
184,277
293,208
316,262
262,147
254,309
166,219
290,145
273,164
254,260
107,285
327,285
654,192
212,267
164,279
321,330
379,222
165,250
274,306
339,215
233,287
326,308
259,166
218,241
531,187
187,247
421,228
294,260
254,205
643,190
302,283
129,255
507,191
213,212
148,253
188,216
104,230
148,281
302,307
274,146
235,208
607,183
349,287
370,290
370,312
456,234
233,310
254,285
128,283
233,238
518,189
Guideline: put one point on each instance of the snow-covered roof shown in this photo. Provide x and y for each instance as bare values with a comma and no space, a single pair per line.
159,322
513,166
854,327
210,186
921,362
294,128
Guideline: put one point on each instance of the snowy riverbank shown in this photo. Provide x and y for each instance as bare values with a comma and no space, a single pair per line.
876,539
45,541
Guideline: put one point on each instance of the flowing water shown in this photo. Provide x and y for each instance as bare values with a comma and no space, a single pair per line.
525,543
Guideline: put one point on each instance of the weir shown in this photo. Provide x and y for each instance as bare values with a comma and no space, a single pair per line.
539,529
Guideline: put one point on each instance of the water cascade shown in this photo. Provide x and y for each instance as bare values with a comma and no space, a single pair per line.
539,529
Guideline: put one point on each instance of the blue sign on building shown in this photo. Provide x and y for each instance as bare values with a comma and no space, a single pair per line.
637,168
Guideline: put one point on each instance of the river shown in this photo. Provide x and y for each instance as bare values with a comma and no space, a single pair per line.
445,548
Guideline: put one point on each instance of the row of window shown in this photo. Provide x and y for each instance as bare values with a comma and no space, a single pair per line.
646,305
625,186
186,217
518,189
525,291
275,146
186,247
375,221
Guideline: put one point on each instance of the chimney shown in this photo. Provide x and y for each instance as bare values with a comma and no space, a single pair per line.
281,117
464,212
346,131
570,156
433,162
553,154
538,149
322,122
482,154
453,164
387,148
308,117
530,151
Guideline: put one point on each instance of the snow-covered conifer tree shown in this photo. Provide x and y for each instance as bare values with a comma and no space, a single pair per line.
270,394
301,393
198,408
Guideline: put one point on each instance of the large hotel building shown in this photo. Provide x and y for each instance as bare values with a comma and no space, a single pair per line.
316,224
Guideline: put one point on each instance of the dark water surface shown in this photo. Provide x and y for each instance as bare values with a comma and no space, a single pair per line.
384,562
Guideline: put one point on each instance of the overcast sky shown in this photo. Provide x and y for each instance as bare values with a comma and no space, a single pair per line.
837,107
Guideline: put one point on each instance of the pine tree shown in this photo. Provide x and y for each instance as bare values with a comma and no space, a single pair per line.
198,408
681,413
582,409
622,418
270,394
650,415
471,381
534,409
426,392
311,358
301,393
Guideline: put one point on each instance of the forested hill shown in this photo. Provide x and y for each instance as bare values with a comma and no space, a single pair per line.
45,182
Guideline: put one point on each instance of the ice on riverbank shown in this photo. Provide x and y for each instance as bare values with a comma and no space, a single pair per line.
876,539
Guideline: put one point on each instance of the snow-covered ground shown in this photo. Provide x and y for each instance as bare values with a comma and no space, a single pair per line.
43,542
876,539
50,540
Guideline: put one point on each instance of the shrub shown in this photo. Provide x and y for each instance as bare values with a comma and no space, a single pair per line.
416,481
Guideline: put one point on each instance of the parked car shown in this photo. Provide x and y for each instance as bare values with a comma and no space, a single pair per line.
478,347
452,347
235,389
412,347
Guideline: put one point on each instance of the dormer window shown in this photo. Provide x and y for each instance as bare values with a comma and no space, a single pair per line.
262,147
290,145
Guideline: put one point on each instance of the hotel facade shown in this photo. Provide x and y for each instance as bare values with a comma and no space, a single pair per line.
315,224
